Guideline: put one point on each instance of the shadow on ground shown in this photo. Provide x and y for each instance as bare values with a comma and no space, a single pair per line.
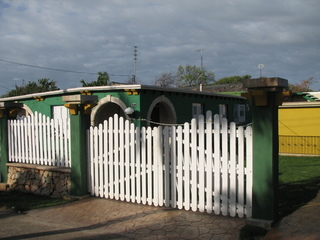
294,195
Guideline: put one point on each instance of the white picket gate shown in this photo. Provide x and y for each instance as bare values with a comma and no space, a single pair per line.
37,139
202,166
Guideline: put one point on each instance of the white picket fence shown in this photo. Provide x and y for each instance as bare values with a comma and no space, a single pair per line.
37,139
204,166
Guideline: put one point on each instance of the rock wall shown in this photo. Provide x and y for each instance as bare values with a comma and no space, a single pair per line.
43,180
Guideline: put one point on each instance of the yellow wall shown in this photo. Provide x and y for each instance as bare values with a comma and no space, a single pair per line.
299,121
299,129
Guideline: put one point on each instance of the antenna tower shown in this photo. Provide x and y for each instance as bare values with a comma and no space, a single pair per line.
135,63
201,51
260,66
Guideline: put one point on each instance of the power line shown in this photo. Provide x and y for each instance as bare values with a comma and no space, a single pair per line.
57,69
5,87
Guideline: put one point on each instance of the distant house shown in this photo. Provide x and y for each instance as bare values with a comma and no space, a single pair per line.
299,125
151,105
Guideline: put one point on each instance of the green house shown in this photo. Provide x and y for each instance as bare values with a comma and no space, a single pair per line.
143,105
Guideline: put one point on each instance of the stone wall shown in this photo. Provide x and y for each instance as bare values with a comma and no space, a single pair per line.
38,179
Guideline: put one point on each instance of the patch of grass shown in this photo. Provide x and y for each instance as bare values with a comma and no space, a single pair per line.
299,182
21,201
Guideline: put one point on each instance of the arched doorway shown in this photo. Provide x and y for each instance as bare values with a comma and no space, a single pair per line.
20,112
107,107
161,110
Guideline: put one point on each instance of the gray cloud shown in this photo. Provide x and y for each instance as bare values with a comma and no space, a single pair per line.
92,36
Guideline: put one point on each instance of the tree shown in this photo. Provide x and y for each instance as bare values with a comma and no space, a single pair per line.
166,79
303,86
102,80
190,76
232,80
43,85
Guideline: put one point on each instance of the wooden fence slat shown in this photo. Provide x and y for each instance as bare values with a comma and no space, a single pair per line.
127,159
166,146
116,156
209,159
225,177
121,158
15,146
240,169
194,168
45,139
217,164
150,166
179,168
138,164
40,129
201,174
186,165
143,165
23,138
233,180
29,140
100,144
111,159
106,159
96,162
132,163
173,167
53,145
156,165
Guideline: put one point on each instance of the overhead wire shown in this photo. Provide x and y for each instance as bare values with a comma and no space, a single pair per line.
57,69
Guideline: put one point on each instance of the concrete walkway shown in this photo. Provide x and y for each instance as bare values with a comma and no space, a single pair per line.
303,224
95,218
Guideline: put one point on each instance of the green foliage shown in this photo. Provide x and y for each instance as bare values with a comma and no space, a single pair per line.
189,76
102,80
43,85
232,80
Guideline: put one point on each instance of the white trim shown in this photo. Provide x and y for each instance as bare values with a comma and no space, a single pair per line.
28,110
117,87
299,104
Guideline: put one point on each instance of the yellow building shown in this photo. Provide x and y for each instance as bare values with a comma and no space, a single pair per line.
299,127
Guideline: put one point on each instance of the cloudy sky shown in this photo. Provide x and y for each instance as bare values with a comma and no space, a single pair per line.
100,35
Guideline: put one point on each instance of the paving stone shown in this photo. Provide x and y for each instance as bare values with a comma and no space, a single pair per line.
103,218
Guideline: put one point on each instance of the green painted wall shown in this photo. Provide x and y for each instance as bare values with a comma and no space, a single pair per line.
45,106
182,103
3,149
